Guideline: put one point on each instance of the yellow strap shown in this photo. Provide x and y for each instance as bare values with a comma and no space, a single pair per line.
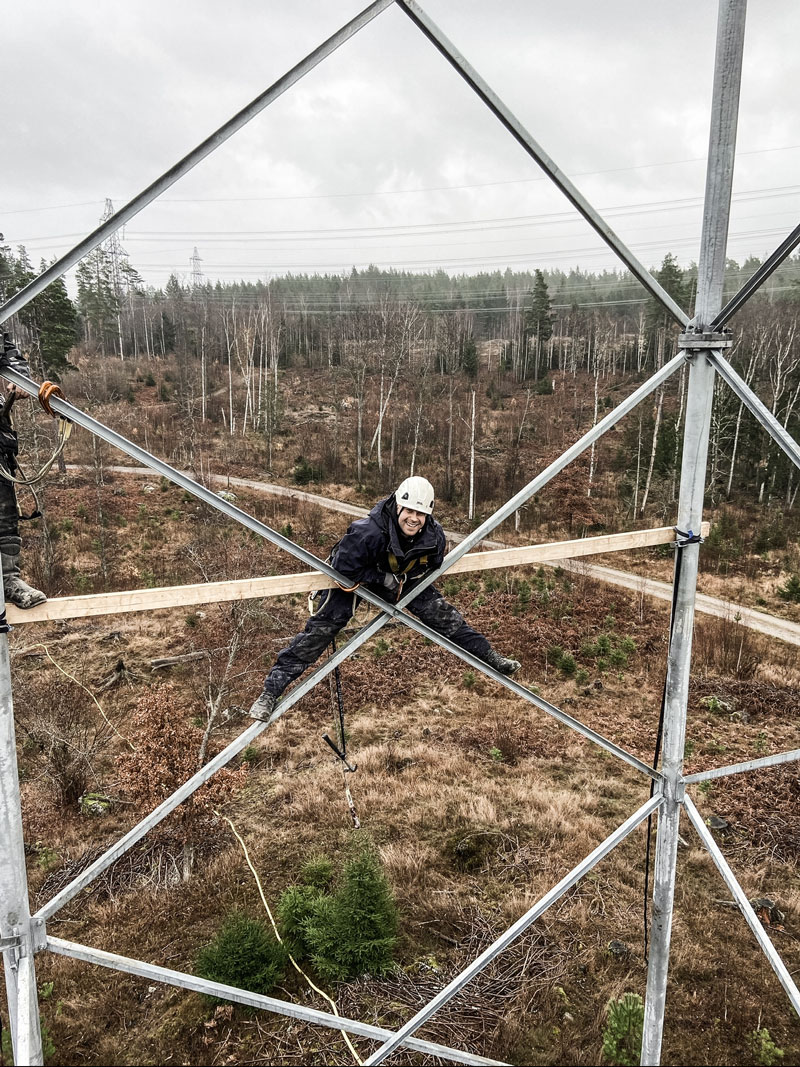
394,563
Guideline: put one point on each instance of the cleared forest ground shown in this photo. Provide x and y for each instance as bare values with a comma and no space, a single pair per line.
476,804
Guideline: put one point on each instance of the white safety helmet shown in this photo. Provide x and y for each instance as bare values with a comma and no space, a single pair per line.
415,493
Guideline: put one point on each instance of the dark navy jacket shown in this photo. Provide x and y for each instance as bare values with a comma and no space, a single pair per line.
375,546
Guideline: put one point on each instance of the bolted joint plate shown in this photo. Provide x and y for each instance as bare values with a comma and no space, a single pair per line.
38,935
697,340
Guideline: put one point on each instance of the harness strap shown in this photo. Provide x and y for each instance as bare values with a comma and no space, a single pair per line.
394,563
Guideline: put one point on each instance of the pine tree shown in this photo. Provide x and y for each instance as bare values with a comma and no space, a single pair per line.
97,300
672,280
538,320
49,319
469,358
347,933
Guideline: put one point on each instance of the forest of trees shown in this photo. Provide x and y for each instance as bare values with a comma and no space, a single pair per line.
392,344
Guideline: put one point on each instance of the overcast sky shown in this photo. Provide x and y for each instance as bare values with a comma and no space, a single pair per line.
382,154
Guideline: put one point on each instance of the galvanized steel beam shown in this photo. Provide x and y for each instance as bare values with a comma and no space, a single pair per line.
519,927
700,392
540,481
745,906
758,279
740,768
151,972
15,919
778,433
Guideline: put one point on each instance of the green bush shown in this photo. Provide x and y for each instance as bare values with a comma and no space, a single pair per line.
567,664
771,535
303,471
318,872
295,908
765,1051
791,590
245,954
346,933
622,1037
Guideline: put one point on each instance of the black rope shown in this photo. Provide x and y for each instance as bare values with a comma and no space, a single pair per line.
683,539
341,748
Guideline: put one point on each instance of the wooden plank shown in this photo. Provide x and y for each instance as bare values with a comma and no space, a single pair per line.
183,596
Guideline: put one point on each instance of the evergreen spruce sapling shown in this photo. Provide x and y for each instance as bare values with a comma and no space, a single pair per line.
354,930
244,954
622,1037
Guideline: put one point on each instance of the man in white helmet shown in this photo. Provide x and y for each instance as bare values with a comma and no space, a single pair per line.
394,547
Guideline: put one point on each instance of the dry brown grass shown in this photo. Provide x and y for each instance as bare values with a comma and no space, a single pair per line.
469,842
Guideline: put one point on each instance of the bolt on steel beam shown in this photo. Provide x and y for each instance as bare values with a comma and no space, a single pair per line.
150,971
183,166
537,153
745,906
519,927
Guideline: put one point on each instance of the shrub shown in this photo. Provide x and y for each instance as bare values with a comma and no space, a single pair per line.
245,954
765,1051
317,872
567,664
295,909
791,590
622,1037
771,535
349,932
304,472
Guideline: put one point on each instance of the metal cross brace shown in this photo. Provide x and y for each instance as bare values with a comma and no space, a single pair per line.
67,410
252,1000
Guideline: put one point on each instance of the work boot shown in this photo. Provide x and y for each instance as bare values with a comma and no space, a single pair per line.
15,589
263,708
502,663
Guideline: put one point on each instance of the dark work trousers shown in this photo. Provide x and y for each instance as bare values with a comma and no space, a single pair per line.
305,649
9,512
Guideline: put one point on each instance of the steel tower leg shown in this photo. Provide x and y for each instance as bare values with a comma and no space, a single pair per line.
719,180
15,918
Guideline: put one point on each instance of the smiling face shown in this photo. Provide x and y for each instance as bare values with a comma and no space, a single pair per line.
410,521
